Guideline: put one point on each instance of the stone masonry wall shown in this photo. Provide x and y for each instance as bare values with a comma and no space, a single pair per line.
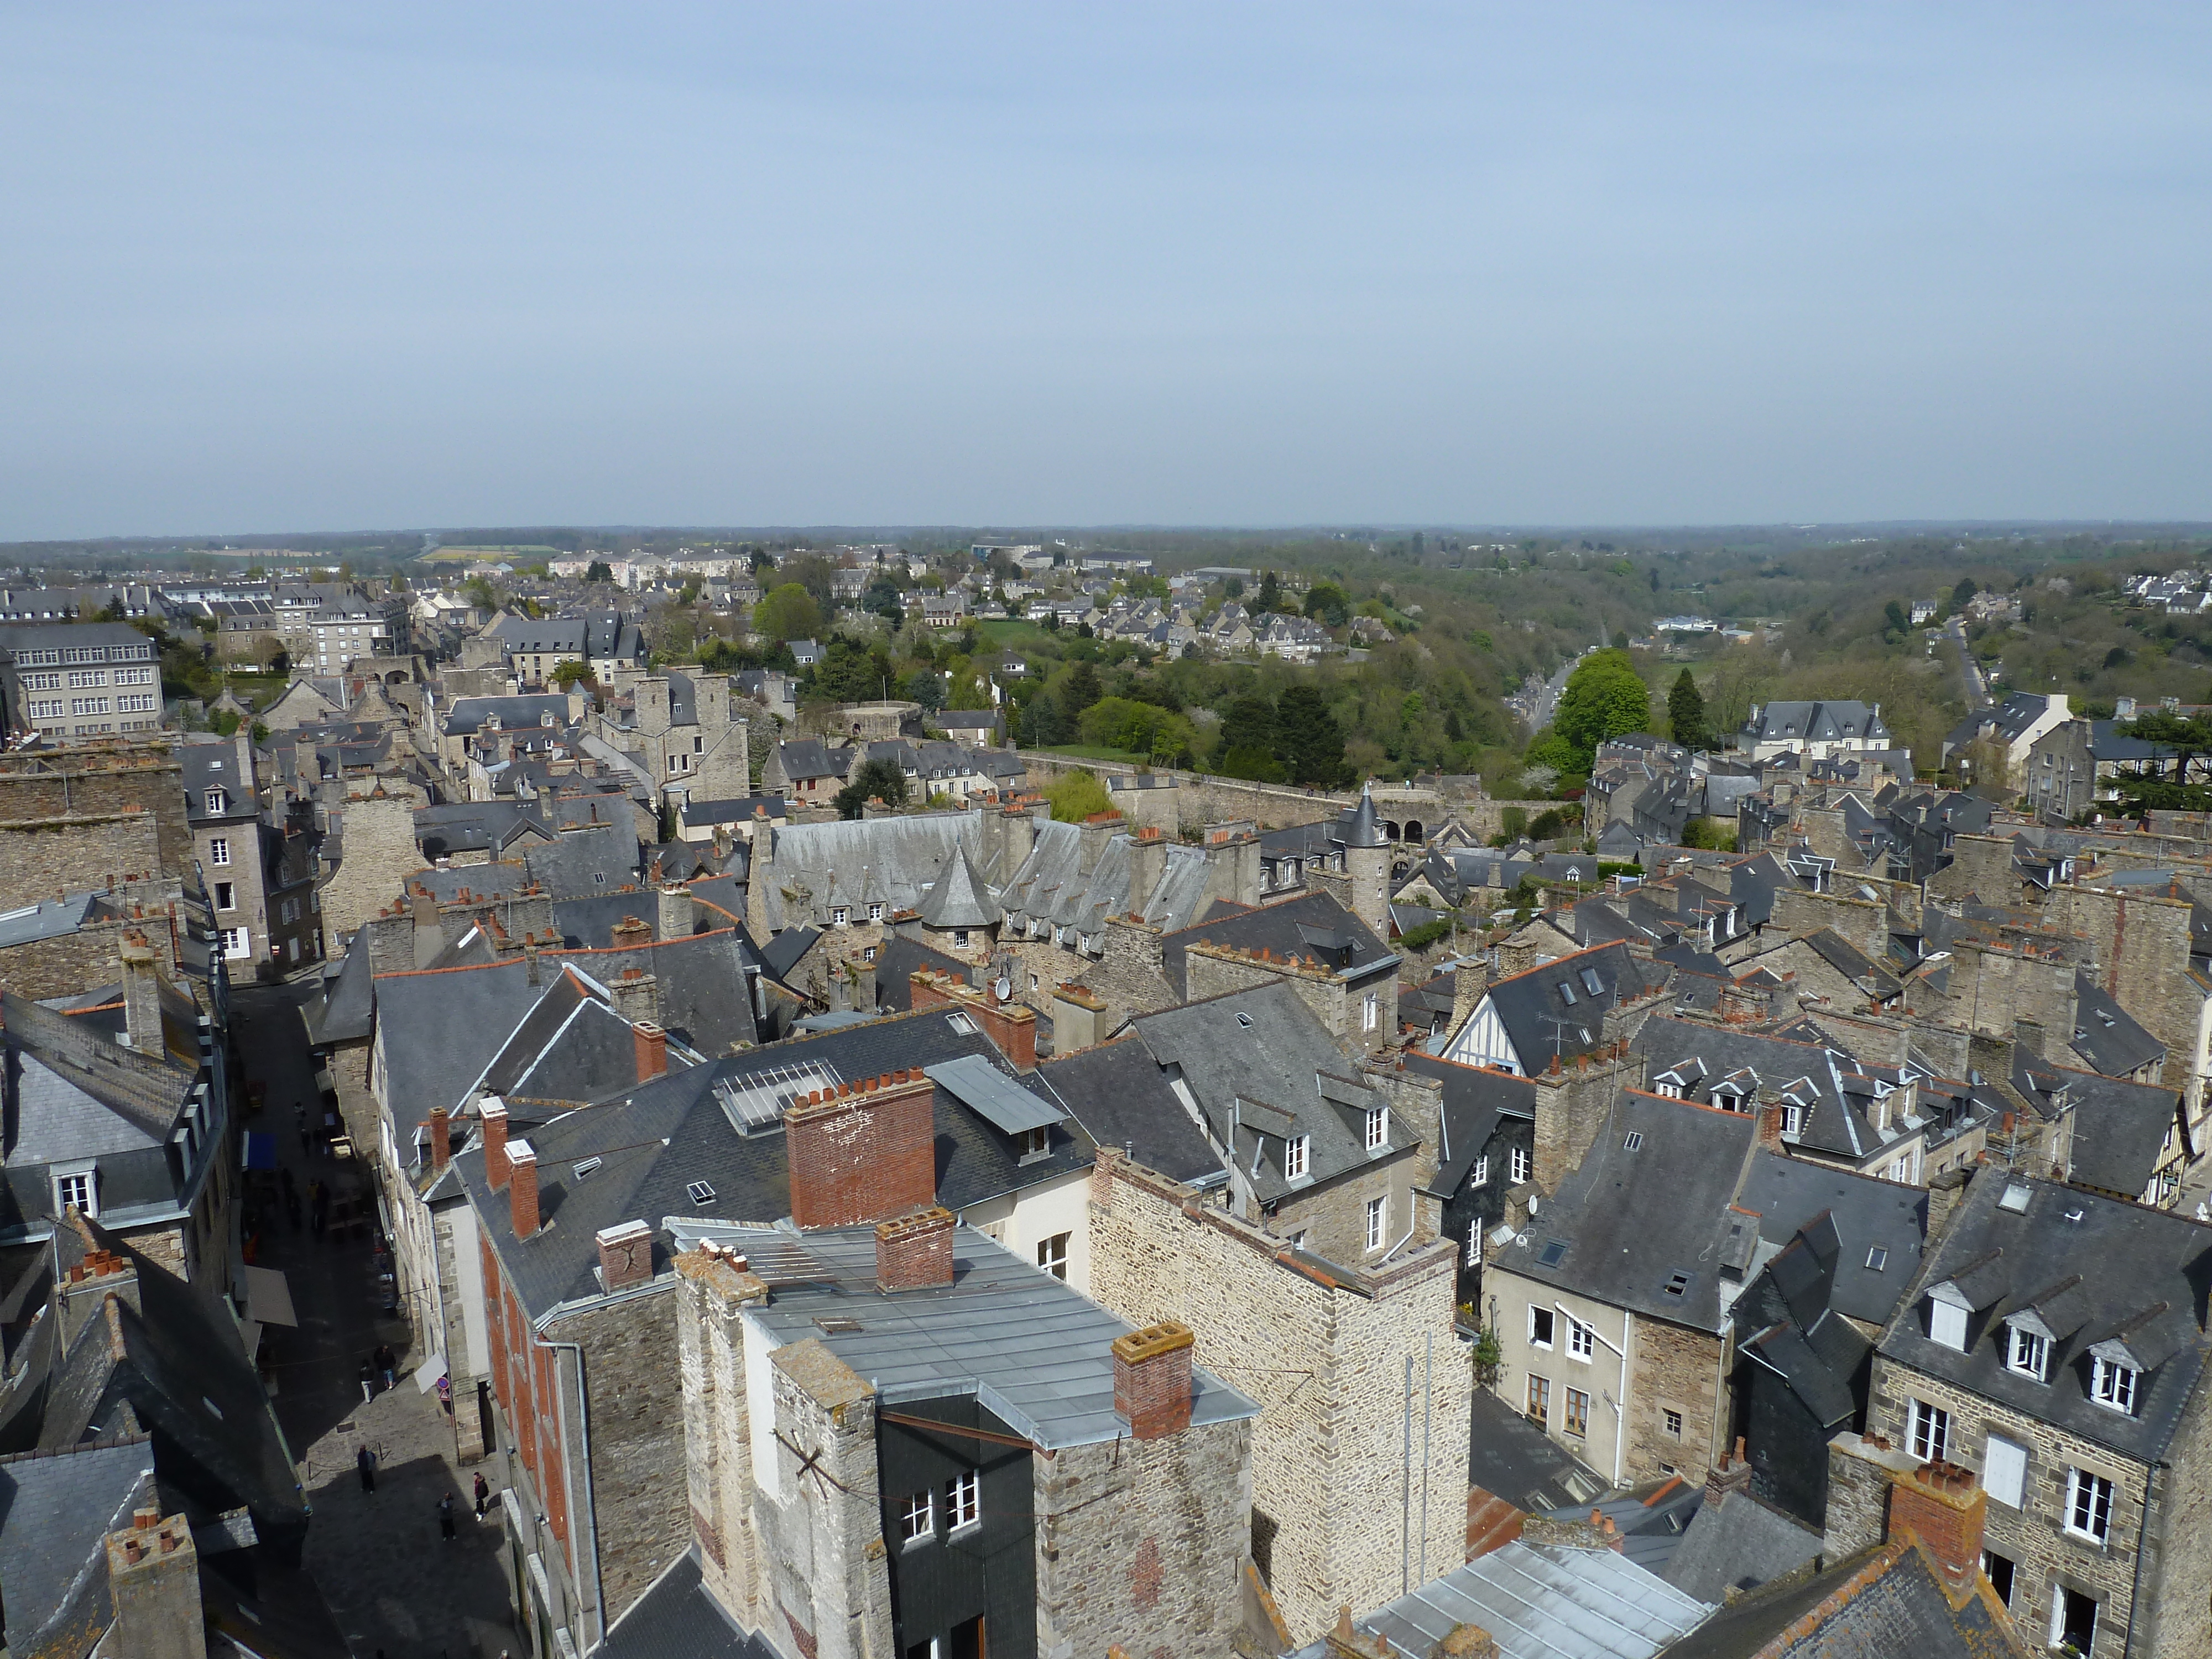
1674,1367
1140,1544
380,853
101,785
44,857
2031,1537
1324,1355
70,963
636,1403
2179,1619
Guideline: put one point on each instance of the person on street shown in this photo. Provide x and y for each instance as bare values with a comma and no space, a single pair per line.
445,1518
483,1495
365,1460
384,1362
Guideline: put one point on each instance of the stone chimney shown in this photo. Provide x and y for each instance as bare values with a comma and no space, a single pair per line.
630,931
863,1152
1151,1380
1011,1027
428,939
1943,1507
676,911
1733,1474
1076,1016
1093,835
1572,1107
1470,984
153,1581
1770,1128
493,1115
636,993
914,1252
522,1187
1466,1642
441,1139
625,1255
652,1050
1148,861
141,995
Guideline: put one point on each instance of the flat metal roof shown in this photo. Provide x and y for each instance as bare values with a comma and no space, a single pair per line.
975,1084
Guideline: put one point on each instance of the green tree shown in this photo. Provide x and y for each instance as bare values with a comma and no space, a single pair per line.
599,571
1077,796
1685,714
1233,588
575,673
787,613
1962,592
1311,742
1893,615
873,779
926,687
1326,604
1605,698
1142,728
1248,722
1271,593
849,673
1620,639
1081,691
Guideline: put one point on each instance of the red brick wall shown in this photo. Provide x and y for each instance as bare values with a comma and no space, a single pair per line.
864,1154
523,1377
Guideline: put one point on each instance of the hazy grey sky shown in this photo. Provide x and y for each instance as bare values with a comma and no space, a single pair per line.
288,267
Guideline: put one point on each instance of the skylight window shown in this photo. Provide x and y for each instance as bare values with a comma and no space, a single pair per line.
1635,1139
1553,1253
701,1193
1877,1258
1566,994
2016,1194
1678,1284
584,1167
1591,982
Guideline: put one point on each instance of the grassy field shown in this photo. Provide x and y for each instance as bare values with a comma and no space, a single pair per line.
1098,752
1011,630
463,554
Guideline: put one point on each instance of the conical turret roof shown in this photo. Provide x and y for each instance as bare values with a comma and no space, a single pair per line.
1361,827
959,898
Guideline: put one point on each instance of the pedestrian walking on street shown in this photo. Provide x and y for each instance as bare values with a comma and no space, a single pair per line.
384,1362
365,1460
368,1380
445,1518
483,1495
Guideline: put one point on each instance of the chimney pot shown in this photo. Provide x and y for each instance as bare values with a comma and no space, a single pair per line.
651,1042
441,1139
493,1115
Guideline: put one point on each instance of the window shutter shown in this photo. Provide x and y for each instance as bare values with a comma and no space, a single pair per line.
2004,1471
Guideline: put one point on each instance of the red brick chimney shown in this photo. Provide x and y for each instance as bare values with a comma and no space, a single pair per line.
441,1139
493,1115
1943,1507
522,1187
652,1050
914,1252
625,1255
864,1153
1769,1129
1152,1379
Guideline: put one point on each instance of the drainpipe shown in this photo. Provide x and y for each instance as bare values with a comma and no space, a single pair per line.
591,1514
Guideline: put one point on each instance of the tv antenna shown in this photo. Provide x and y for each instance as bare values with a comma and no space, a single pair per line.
1558,1023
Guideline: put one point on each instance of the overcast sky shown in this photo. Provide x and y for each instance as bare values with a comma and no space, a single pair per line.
295,267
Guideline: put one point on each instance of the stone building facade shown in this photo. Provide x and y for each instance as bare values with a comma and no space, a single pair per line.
1323,1348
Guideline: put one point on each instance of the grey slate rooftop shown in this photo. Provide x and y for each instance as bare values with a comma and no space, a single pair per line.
1031,1349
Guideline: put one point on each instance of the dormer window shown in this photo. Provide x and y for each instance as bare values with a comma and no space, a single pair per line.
218,802
1671,1091
1298,1156
2030,1352
2112,1383
1377,1134
1793,1118
1947,1324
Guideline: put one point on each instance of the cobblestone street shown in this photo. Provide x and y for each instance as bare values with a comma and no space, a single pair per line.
396,1587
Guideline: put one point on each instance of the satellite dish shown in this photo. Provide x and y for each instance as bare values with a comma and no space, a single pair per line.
1003,987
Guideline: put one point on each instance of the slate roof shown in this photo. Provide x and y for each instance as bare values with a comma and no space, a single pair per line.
1261,1066
1791,1194
348,1012
737,808
1314,926
1512,1459
809,757
959,898
442,1027
2139,1275
468,714
703,998
892,861
589,923
56,1512
1359,826
678,1618
897,958
1738,1544
782,953
1877,1605
1813,722
1033,1349
47,918
1702,1059
655,1139
1475,1099
579,863
1118,1092
1633,1223
1538,1601
1540,1019
2105,1035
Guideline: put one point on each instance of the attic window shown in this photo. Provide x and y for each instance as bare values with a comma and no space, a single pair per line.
1635,1139
584,1167
1243,1019
1877,1258
1591,982
961,1024
1678,1284
2015,1198
599,876
1553,1253
1566,994
701,1193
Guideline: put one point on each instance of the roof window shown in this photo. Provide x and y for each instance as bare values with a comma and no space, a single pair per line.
1877,1258
1635,1139
1591,982
701,1193
2016,1196
1678,1284
1566,994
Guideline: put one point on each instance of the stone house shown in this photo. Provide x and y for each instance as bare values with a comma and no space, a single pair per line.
948,1498
2056,1344
1332,1353
699,1147
806,772
118,1106
1574,1005
1486,1146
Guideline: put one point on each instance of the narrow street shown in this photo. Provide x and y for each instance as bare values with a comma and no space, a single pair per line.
397,1588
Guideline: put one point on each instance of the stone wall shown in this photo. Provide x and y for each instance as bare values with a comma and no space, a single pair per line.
70,963
2031,1537
635,1396
1674,1368
380,853
103,784
1140,1544
1324,1355
1864,922
44,858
